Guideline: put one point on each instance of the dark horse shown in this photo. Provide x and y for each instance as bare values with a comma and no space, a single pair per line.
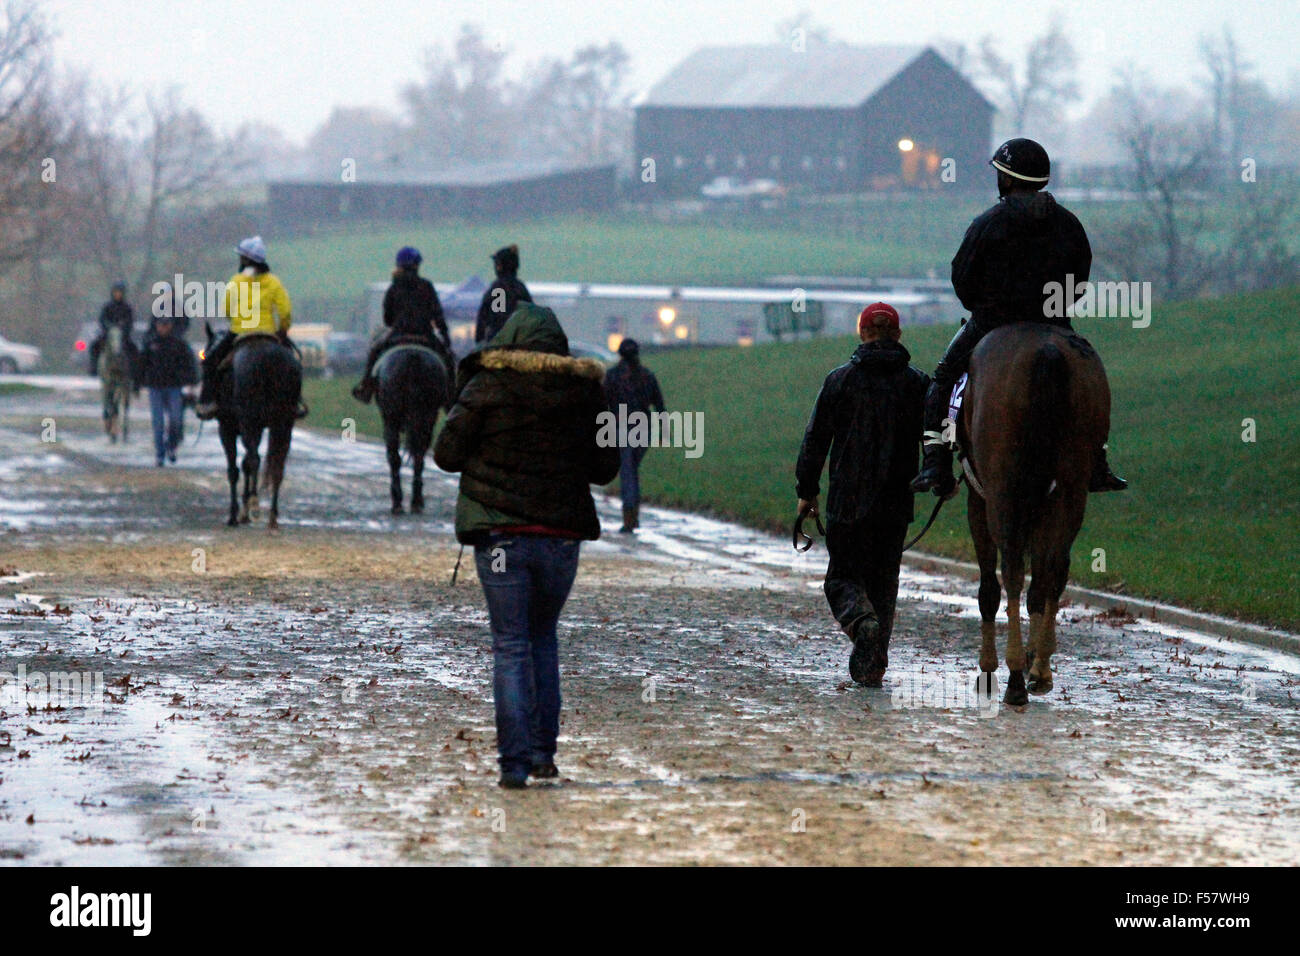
1036,411
412,382
260,393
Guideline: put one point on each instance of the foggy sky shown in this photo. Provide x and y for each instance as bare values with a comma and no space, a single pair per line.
289,63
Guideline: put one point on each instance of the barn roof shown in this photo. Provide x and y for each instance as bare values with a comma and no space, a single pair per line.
834,75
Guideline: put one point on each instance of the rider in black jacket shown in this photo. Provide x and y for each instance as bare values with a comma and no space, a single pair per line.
868,416
116,313
1010,252
411,309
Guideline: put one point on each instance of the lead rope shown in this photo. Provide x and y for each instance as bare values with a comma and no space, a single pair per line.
933,514
456,569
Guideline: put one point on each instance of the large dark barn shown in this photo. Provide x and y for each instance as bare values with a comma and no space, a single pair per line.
479,193
834,118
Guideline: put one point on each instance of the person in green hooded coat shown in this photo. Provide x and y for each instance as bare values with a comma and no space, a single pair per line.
522,433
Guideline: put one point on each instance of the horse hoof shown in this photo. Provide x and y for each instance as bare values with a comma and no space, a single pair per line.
1039,686
417,508
1016,695
232,521
398,509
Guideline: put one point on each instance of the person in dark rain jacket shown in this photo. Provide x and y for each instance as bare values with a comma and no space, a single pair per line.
868,418
502,296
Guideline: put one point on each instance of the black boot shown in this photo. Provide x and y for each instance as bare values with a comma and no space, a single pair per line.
936,469
364,390
1103,479
629,520
866,636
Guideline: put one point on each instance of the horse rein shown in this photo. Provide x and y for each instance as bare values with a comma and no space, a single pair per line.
807,540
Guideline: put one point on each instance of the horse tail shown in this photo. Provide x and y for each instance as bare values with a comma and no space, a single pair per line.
1045,425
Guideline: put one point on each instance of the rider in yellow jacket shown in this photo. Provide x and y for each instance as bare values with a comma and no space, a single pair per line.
256,301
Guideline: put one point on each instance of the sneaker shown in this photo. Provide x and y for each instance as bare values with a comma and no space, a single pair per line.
545,771
513,781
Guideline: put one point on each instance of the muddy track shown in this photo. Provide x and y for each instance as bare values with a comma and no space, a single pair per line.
323,694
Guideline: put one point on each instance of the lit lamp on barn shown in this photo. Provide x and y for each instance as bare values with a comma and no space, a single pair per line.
907,152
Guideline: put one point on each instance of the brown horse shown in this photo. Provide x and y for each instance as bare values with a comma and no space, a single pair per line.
1036,411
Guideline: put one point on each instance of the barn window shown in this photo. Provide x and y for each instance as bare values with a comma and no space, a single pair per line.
679,162
775,163
740,160
807,162
710,161
841,163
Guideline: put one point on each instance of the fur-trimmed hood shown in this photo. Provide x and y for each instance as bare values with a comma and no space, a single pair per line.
521,360
531,342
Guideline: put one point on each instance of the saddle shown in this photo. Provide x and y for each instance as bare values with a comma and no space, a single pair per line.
419,343
240,342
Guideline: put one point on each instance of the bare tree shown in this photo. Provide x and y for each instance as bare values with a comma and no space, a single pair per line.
371,137
1037,91
29,130
462,111
138,175
1168,151
1225,70
580,107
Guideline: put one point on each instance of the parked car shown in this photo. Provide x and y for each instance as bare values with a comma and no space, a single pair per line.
587,350
17,358
728,187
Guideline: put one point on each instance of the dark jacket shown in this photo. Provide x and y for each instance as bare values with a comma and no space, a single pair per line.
632,384
114,315
522,432
411,306
118,314
167,361
868,416
490,320
1011,251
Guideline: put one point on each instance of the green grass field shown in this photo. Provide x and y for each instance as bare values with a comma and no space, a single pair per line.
617,249
1209,521
859,236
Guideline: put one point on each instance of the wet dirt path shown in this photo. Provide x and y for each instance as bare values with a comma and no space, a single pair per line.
323,695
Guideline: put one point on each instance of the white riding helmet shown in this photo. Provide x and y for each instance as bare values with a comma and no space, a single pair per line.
253,248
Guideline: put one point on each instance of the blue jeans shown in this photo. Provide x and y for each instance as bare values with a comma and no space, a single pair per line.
526,580
629,482
165,403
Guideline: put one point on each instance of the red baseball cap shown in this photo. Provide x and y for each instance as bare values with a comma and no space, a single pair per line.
869,315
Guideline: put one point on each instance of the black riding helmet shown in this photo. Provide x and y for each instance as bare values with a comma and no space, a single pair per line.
1024,160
